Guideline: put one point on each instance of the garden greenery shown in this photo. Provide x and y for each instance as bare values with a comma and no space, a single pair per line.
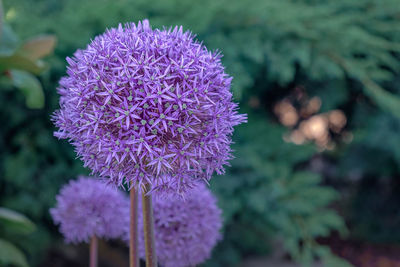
345,52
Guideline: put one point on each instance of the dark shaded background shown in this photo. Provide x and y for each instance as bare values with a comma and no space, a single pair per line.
317,166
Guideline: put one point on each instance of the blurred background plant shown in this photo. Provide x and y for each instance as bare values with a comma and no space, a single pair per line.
13,228
20,62
319,80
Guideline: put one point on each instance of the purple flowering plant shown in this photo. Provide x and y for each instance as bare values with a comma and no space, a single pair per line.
140,103
88,207
151,109
186,230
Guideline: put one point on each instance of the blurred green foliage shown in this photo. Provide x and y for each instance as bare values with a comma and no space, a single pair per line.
19,63
265,195
345,52
13,226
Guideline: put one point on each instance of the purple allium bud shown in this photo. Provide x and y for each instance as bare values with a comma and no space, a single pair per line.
139,103
186,230
88,207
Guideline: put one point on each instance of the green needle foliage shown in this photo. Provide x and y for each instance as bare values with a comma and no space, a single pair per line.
265,197
326,39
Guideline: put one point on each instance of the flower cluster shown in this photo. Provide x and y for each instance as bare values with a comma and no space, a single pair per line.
88,207
139,103
187,230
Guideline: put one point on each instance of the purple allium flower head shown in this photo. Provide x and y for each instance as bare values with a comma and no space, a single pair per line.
139,103
186,230
88,207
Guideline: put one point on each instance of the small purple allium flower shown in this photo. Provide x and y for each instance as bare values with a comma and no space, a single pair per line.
88,207
139,104
186,230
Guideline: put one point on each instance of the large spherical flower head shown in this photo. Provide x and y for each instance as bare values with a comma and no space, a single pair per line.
139,103
88,207
186,230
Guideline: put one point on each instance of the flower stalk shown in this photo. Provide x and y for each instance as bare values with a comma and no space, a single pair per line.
148,227
133,228
93,251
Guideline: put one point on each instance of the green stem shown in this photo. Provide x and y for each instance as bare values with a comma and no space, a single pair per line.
93,251
148,223
133,229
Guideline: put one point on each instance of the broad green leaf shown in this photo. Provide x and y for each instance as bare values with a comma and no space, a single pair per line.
39,47
21,62
11,255
30,86
17,221
8,40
